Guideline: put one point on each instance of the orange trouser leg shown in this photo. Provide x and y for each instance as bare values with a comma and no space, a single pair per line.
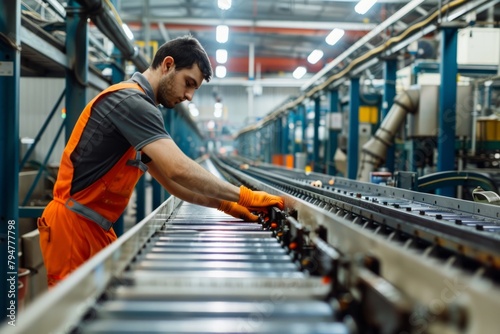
68,240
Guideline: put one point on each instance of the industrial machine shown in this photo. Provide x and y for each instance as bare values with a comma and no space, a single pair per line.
418,106
342,257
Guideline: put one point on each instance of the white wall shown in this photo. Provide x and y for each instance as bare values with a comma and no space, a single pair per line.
235,101
37,98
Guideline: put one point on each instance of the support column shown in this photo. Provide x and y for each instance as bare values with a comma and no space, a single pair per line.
159,193
270,141
140,192
303,113
447,104
118,67
251,78
276,141
299,121
118,75
333,133
252,139
266,143
353,135
316,142
77,45
292,119
390,69
10,64
146,24
285,138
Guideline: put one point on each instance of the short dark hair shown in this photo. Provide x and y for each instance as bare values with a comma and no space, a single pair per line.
186,51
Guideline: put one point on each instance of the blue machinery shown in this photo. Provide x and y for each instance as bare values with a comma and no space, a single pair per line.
10,58
328,83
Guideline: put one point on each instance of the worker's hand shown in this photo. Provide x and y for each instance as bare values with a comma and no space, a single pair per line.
237,211
259,199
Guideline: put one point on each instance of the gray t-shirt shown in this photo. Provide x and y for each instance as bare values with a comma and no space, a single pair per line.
119,120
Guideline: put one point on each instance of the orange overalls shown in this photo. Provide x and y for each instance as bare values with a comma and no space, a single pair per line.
75,227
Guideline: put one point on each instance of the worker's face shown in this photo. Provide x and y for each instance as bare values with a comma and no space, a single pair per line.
177,86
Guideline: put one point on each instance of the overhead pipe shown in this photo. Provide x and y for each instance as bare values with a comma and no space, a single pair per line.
103,18
375,150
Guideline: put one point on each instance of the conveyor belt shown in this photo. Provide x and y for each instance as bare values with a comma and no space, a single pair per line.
456,224
202,244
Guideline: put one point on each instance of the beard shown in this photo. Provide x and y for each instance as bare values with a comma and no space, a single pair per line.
165,88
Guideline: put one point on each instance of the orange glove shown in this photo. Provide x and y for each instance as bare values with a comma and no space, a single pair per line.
258,199
237,211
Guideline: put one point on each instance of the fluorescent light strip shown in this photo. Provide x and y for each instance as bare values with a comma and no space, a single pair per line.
222,33
128,32
364,5
299,72
224,4
315,56
334,36
193,110
220,71
218,108
221,56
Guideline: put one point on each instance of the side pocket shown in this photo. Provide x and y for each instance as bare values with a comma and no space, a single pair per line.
44,232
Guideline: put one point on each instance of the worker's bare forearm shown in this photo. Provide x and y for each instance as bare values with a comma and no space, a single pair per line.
196,177
176,166
181,192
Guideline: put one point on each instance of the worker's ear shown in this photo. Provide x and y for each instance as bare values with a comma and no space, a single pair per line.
168,64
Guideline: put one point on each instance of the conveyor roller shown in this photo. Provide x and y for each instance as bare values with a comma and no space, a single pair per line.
210,251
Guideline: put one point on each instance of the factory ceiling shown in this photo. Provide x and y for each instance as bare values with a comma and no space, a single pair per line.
267,39
282,33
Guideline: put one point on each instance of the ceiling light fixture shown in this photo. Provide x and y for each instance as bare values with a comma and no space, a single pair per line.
222,33
224,4
221,56
364,5
193,110
218,107
334,36
299,72
128,32
220,71
315,56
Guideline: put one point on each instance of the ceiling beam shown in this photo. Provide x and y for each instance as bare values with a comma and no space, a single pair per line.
269,64
137,26
320,25
267,82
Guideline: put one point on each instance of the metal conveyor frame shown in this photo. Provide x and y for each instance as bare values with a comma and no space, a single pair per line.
62,308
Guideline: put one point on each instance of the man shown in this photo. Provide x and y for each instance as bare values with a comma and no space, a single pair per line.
119,135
